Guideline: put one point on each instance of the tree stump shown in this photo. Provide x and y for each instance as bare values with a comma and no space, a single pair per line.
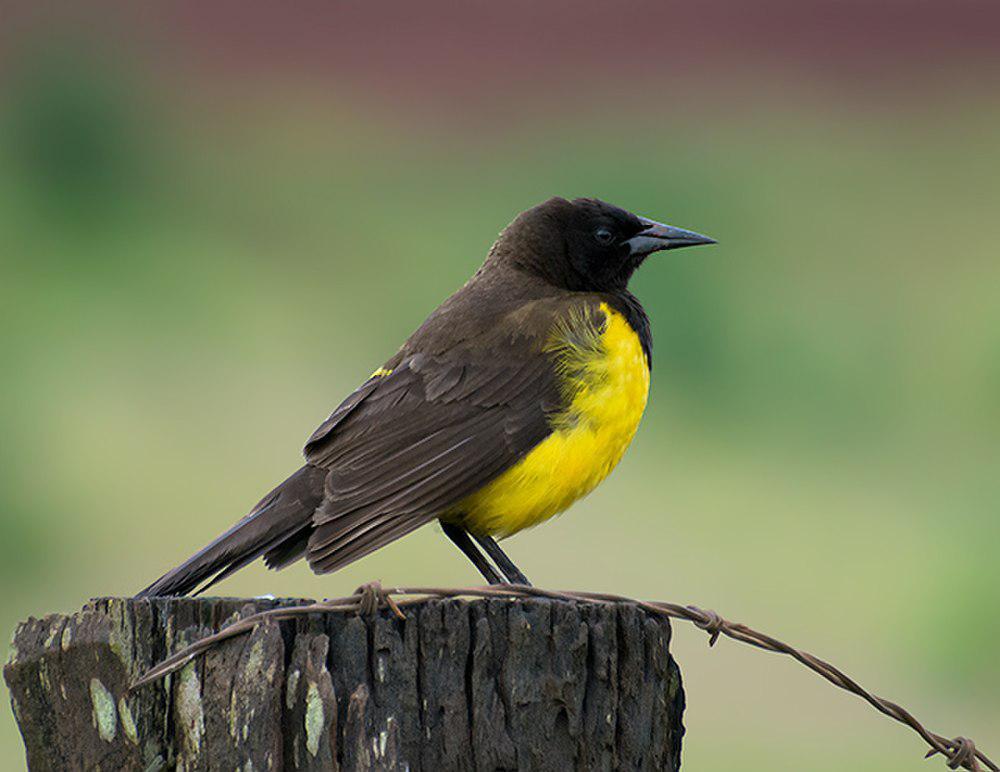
491,684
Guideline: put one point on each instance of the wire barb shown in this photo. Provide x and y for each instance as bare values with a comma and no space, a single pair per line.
372,597
959,753
710,622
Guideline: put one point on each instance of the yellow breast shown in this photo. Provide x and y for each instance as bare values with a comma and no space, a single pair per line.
605,377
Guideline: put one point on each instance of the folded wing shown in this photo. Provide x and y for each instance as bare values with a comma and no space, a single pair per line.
429,434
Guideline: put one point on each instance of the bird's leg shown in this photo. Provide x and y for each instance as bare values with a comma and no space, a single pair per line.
504,563
461,538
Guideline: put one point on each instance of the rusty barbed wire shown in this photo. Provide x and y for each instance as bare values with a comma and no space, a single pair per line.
959,752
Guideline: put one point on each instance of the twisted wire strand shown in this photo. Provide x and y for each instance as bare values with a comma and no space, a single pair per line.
958,752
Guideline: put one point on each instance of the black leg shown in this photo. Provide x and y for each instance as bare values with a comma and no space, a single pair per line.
504,563
461,538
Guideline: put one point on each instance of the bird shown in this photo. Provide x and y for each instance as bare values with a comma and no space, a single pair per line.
516,397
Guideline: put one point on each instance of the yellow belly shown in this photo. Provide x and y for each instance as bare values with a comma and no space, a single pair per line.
607,381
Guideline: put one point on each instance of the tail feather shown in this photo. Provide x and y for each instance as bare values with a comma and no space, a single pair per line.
278,519
291,549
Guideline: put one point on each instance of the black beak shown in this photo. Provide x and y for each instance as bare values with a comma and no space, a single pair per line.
656,237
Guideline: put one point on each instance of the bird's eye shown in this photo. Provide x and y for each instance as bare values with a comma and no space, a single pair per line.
604,236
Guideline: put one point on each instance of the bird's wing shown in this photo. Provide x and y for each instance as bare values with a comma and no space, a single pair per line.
421,439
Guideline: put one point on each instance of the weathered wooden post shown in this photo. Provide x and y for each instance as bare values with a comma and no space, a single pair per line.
489,684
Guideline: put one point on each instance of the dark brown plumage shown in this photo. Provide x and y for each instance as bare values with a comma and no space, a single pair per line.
468,395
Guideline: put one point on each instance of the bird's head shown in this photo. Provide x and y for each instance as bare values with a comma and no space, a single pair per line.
586,244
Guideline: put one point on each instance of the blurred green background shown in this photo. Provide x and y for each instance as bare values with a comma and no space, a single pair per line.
215,221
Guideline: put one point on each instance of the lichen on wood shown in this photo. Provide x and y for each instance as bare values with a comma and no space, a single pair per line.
489,684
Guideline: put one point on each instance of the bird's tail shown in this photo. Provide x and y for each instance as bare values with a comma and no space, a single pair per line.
279,526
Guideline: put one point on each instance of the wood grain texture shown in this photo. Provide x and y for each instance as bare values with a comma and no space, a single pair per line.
459,685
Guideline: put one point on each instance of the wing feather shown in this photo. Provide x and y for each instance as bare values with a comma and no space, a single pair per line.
425,437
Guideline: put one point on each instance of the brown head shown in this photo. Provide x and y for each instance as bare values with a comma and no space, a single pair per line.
585,244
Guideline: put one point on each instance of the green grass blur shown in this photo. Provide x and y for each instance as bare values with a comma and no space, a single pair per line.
184,297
